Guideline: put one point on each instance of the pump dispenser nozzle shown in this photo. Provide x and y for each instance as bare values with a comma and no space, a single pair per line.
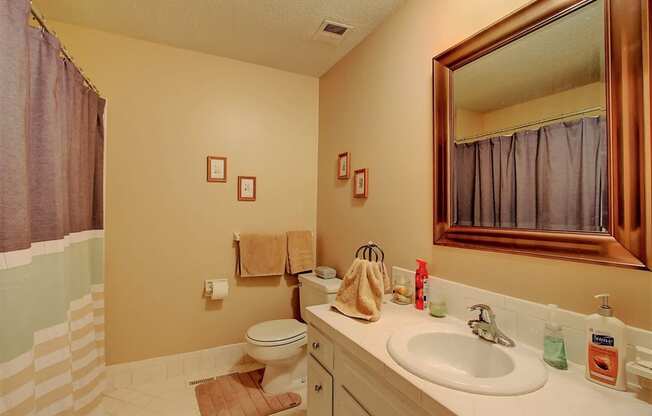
605,309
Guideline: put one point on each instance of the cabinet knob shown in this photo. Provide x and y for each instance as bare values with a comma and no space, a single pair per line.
318,388
315,345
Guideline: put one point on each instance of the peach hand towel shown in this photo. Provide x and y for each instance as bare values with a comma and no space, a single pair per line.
262,255
300,258
387,283
361,292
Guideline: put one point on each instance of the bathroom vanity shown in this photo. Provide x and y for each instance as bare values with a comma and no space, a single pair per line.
351,373
342,382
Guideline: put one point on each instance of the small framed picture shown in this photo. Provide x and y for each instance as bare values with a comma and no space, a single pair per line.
246,188
215,169
361,183
344,165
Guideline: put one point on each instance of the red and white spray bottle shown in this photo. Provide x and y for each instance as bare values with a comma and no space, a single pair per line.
419,282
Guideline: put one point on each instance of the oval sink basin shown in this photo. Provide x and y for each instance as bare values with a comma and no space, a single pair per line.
451,357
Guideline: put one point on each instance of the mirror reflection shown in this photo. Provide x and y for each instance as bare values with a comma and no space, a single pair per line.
530,130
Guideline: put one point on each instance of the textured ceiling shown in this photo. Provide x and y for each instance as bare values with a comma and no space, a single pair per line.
565,54
275,33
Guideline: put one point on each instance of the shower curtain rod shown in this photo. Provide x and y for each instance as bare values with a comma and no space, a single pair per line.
533,123
40,19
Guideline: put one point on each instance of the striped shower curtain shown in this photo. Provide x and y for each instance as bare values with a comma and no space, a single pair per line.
51,227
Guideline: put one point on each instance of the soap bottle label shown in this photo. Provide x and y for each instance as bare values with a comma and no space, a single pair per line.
603,359
604,340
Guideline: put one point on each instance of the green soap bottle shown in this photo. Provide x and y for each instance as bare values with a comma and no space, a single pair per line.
554,347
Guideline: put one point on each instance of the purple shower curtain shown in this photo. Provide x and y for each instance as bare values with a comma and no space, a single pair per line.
51,138
552,178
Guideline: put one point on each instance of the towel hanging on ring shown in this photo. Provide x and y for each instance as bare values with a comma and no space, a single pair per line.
361,292
372,252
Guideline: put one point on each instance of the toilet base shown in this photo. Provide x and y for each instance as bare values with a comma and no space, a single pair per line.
285,377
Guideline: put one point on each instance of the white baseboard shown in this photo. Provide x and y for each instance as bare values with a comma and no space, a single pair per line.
218,360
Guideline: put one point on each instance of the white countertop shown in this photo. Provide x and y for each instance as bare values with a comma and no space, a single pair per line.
565,393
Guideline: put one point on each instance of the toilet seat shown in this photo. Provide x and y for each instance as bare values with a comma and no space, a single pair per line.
277,333
278,343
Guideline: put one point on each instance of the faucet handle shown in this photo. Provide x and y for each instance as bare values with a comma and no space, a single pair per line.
481,307
486,313
485,326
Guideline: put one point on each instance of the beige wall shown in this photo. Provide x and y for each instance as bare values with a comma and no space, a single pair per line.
167,229
376,103
471,123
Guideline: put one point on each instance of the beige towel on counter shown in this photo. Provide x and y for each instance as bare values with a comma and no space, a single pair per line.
300,258
262,255
387,283
361,292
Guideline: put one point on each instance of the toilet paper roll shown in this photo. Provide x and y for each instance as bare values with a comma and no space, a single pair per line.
220,289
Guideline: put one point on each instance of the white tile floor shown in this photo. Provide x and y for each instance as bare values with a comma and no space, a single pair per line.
172,397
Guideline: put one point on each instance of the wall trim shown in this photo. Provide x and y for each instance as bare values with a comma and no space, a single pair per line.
189,365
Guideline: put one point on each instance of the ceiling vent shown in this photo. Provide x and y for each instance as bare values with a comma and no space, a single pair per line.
332,32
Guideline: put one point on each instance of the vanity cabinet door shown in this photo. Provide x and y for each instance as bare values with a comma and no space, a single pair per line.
320,347
320,389
369,390
347,406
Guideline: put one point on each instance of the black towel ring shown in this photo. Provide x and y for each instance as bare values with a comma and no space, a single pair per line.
371,252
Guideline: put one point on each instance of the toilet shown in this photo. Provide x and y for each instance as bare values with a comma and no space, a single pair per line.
281,344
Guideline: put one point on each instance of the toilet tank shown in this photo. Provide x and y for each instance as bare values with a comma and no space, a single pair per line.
314,290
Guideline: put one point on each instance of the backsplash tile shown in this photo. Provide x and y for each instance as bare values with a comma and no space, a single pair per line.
483,296
529,329
570,319
524,307
575,344
522,319
640,337
507,321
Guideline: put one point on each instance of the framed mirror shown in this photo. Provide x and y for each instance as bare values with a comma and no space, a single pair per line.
541,134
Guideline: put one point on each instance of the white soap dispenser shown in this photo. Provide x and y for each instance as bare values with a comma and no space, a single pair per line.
606,347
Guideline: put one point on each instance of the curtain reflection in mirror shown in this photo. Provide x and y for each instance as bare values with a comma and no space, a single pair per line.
551,178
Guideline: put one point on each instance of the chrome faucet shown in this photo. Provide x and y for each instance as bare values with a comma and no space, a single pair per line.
485,326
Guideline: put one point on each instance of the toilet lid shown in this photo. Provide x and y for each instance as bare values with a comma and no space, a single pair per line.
278,330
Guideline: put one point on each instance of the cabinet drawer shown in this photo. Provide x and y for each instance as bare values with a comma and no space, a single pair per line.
347,406
320,347
320,390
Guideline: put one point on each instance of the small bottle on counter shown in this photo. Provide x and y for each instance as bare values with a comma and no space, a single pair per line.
402,289
419,278
554,347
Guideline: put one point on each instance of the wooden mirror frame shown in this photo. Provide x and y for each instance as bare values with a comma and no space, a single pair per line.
627,64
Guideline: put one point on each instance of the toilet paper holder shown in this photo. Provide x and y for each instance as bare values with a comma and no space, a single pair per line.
211,285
